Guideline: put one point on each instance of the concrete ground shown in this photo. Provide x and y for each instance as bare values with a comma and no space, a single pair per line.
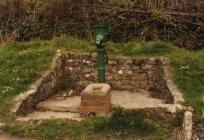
125,99
134,100
70,104
58,107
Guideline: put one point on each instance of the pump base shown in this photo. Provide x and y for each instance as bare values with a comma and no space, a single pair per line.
96,100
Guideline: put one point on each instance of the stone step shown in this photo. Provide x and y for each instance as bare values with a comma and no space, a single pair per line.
47,115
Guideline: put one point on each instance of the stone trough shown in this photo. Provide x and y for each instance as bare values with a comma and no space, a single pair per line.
136,84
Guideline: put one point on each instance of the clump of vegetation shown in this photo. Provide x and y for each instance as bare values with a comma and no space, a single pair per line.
121,124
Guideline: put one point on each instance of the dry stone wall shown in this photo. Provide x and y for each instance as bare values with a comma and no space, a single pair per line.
122,73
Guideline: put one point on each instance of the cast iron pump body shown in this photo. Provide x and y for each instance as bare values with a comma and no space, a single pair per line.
101,34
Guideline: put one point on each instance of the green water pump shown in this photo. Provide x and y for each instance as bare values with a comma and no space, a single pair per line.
101,34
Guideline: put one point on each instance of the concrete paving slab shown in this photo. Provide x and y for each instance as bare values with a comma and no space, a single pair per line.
47,115
141,100
134,100
125,99
70,104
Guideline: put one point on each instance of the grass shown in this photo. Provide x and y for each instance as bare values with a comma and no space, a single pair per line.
21,63
118,126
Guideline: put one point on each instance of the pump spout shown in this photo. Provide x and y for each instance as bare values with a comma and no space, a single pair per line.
99,39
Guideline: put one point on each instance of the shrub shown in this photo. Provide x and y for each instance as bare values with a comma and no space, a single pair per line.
128,20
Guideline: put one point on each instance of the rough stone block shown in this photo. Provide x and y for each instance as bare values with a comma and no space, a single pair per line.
96,99
187,125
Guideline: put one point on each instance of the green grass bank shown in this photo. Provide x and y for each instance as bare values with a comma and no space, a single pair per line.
21,63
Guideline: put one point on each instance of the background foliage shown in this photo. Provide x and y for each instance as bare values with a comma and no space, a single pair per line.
177,21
